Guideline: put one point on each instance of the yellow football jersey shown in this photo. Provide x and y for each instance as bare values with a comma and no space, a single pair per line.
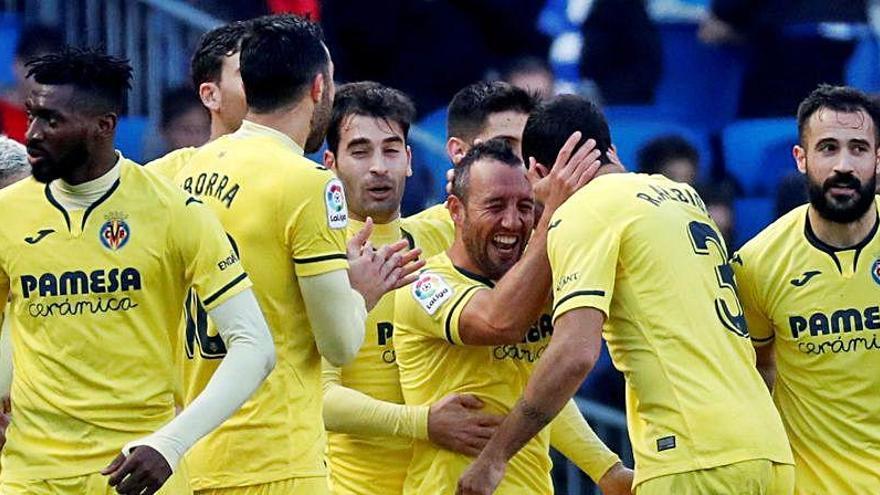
287,216
95,313
434,363
643,250
819,306
440,221
172,162
363,464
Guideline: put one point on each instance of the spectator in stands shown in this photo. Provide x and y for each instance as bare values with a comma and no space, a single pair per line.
672,156
232,10
34,41
531,74
791,55
621,51
185,122
429,49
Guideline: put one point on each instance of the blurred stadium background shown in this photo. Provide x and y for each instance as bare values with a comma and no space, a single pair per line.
703,90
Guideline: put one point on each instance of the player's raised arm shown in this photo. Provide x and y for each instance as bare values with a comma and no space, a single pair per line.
580,305
490,318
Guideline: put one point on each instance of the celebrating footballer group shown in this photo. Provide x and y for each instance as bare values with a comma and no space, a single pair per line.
236,319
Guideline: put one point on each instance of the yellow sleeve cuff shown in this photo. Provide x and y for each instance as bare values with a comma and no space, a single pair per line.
571,435
347,410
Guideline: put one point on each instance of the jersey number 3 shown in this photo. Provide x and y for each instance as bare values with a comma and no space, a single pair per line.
702,234
210,346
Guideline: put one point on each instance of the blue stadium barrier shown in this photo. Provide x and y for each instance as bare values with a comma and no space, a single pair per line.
630,134
757,152
700,84
751,215
130,131
863,68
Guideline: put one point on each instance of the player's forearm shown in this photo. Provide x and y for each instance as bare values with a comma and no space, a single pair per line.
556,378
337,315
5,355
527,283
571,435
249,359
349,411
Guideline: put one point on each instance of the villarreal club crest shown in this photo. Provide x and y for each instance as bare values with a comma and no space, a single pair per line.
115,232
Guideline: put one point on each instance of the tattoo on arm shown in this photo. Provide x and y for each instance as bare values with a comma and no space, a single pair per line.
534,414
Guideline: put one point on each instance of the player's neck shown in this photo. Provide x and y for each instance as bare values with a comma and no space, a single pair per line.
97,165
459,256
377,219
610,168
842,235
294,122
219,129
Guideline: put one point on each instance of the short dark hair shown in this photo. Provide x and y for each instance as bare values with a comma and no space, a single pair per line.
206,64
493,149
177,101
280,56
664,149
551,124
472,105
36,40
840,99
369,99
104,77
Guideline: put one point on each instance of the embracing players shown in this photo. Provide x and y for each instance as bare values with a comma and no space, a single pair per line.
639,256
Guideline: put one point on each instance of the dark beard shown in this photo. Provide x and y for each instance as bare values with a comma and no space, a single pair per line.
479,254
846,213
47,169
318,125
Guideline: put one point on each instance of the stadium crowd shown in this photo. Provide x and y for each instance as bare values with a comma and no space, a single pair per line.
254,311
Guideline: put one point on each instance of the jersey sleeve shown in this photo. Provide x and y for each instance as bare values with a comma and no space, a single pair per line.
571,435
436,301
213,266
315,221
169,165
583,250
432,236
759,325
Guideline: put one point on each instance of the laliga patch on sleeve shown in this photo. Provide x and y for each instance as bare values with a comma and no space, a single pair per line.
337,210
431,291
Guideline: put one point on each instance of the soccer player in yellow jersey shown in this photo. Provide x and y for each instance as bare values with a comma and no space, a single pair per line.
457,331
370,428
479,112
217,78
636,258
98,272
288,217
810,284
